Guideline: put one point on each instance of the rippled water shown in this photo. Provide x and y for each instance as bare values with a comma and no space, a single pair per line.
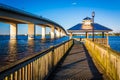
12,50
114,42
24,45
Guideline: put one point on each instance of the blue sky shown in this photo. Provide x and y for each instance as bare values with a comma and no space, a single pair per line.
69,12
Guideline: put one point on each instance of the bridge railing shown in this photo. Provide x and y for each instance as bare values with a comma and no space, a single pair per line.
36,67
108,59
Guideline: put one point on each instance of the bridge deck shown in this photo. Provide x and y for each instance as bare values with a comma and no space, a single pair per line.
78,65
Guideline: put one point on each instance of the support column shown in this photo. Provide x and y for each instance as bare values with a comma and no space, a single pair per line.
71,35
52,32
64,34
13,31
43,32
61,33
87,35
58,33
102,34
31,31
107,38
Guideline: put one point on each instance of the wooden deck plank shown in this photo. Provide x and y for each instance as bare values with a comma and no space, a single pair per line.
78,65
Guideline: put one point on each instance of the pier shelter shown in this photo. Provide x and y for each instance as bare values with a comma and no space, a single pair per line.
88,27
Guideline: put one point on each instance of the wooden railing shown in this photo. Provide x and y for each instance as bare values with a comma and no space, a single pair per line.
102,41
108,59
36,67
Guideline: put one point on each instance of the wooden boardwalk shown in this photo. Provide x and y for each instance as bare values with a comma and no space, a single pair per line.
78,65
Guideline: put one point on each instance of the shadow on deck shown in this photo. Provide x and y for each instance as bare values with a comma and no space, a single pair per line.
77,65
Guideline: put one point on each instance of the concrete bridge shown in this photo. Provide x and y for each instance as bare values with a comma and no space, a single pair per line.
15,16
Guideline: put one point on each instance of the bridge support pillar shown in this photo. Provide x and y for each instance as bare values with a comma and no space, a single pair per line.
71,35
43,32
58,33
52,32
61,33
13,31
31,31
64,34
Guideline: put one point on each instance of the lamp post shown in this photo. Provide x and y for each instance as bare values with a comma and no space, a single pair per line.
93,15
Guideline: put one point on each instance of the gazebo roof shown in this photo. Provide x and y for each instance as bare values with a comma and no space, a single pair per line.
87,18
97,28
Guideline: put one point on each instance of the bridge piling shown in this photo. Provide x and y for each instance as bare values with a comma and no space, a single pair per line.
58,33
13,30
43,32
52,32
31,31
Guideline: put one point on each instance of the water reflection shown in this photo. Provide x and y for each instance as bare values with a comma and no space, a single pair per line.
12,52
31,46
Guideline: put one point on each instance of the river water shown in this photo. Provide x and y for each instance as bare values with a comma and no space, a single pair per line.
12,50
114,42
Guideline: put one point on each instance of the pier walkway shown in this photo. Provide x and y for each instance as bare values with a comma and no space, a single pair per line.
78,65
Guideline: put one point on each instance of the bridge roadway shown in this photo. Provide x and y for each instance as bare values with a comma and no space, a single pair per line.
78,65
14,16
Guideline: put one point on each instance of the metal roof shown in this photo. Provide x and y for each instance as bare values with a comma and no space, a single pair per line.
97,28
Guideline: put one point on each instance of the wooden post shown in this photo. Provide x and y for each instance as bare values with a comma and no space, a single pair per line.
86,34
107,39
15,75
102,34
19,73
23,74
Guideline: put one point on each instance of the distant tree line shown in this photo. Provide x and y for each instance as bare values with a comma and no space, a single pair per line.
115,34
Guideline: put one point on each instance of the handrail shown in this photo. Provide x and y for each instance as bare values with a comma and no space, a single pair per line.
108,59
102,41
36,67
